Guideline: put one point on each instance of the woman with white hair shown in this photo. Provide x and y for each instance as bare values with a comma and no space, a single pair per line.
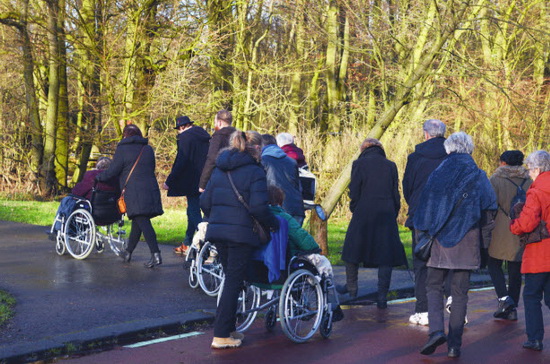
456,204
536,257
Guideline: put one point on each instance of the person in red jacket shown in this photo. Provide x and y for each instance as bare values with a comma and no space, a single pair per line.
285,141
536,257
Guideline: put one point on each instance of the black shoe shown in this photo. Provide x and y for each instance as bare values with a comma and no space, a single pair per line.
155,260
337,314
512,315
453,353
343,289
126,256
504,308
533,345
436,338
382,304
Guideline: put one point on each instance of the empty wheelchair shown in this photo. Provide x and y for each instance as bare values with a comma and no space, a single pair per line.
305,303
205,268
79,226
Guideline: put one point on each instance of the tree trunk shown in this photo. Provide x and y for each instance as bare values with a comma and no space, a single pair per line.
62,136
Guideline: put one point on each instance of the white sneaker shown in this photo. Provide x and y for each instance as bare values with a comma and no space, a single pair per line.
419,318
423,319
414,318
449,303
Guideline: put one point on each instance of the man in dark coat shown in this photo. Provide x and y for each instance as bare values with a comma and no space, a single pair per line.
426,157
219,141
282,171
373,236
186,171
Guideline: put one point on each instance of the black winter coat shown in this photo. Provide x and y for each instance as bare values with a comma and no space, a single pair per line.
187,168
228,219
219,141
282,171
373,237
427,156
142,194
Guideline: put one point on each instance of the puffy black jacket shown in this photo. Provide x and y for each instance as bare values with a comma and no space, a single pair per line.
186,171
142,194
282,171
426,157
228,220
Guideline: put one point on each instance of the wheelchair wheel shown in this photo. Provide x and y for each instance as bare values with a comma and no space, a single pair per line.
271,318
326,325
80,234
247,307
116,239
193,277
301,306
209,269
59,243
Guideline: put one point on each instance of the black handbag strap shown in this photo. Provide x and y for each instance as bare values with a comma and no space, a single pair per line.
239,196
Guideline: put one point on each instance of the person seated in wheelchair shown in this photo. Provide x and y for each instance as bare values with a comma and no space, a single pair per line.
84,190
300,243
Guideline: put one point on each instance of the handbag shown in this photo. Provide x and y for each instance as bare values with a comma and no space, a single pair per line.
538,234
423,249
121,204
257,227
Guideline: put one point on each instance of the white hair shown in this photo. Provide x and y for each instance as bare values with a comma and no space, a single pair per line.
434,128
284,139
539,159
459,142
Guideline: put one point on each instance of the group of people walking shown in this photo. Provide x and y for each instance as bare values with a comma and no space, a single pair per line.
467,220
466,216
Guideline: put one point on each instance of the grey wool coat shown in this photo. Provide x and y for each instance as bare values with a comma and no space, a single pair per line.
504,245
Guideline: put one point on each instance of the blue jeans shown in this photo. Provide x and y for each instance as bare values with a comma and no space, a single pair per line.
535,285
194,218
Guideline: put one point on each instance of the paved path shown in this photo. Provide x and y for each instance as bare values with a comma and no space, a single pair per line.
366,335
62,301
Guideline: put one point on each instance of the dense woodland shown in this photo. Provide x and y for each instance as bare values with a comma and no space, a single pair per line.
332,72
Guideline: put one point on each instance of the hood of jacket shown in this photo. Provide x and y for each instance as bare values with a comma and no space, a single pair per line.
195,132
432,148
135,139
511,172
274,151
230,159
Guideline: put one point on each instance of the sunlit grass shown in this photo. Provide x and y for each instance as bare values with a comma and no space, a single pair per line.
7,302
171,226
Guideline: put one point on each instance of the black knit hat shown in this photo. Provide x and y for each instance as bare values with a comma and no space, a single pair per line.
512,157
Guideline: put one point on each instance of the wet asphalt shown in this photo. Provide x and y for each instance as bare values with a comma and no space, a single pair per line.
66,303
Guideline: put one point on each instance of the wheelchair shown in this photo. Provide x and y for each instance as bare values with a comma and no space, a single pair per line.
80,230
205,268
305,303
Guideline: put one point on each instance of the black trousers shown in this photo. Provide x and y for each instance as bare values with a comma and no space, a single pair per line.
460,284
142,224
499,281
420,274
235,259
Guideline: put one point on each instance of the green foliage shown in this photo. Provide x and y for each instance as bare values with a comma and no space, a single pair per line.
7,303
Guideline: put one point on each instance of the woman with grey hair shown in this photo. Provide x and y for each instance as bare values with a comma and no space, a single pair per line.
456,206
536,257
84,188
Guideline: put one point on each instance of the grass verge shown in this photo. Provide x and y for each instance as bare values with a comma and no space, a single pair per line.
7,303
170,227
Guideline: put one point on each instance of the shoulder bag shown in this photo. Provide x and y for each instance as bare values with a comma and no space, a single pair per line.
538,234
423,249
121,204
257,227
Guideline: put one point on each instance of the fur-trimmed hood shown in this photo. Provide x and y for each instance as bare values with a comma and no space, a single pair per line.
507,171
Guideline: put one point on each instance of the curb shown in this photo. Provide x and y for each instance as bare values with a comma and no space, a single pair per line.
101,338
